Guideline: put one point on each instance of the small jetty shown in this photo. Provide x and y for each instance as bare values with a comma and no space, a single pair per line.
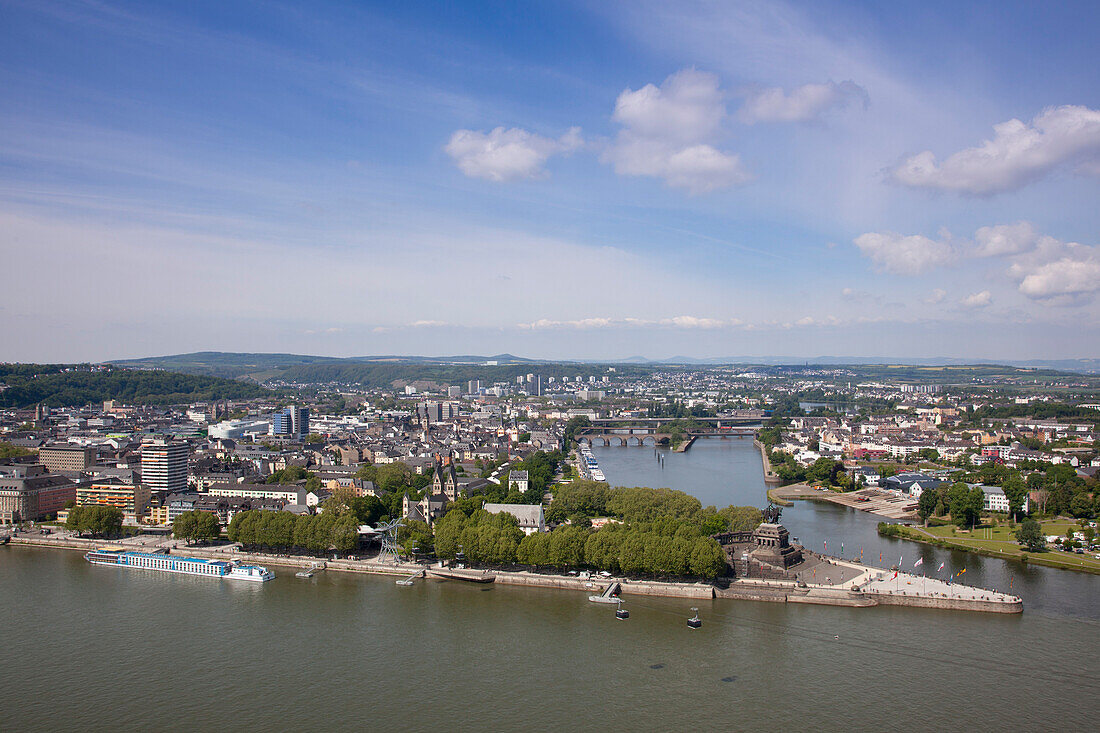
609,595
469,576
411,579
310,571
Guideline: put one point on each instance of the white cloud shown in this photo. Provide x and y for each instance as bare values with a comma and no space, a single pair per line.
1064,280
977,300
1019,153
507,155
1005,239
807,102
668,132
903,255
936,296
1056,272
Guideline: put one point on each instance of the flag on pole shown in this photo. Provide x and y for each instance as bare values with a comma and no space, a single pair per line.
825,544
842,549
962,571
895,575
918,563
880,557
940,567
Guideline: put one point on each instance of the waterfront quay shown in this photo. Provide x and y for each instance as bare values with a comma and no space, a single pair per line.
873,501
824,580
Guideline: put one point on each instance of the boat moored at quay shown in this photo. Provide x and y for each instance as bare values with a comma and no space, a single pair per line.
232,570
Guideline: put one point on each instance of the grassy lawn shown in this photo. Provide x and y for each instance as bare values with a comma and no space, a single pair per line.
999,541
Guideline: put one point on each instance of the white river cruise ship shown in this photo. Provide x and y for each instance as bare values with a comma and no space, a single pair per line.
178,564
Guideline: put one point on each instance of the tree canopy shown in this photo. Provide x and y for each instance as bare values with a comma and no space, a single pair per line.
75,385
101,521
196,526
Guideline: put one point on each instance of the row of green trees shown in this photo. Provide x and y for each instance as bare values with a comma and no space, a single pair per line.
664,548
196,526
101,521
286,532
634,550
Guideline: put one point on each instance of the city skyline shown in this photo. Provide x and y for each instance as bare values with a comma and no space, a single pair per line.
567,181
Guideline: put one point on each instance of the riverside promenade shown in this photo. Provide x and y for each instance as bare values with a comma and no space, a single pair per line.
770,476
836,582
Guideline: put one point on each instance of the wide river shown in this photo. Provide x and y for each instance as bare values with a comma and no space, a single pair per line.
97,648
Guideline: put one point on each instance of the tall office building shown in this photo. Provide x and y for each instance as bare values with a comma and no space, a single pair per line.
299,421
293,421
164,466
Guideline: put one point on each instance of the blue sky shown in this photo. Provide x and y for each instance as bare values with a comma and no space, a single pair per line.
563,180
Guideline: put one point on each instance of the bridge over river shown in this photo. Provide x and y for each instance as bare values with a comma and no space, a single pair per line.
654,435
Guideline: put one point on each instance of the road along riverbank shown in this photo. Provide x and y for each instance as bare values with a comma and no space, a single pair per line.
865,586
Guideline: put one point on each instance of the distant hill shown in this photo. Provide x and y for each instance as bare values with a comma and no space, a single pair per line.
230,365
72,385
262,367
373,371
1083,366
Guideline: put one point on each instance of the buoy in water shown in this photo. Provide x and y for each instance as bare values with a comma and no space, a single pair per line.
694,621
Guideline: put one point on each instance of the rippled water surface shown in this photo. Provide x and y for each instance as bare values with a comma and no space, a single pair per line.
98,648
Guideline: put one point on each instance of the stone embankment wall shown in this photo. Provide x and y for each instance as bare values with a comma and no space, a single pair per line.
948,604
770,476
596,586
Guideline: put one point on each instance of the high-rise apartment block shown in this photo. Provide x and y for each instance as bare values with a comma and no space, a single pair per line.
164,466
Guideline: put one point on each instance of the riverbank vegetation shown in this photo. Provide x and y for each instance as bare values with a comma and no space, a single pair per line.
1001,541
196,526
100,521
285,532
644,532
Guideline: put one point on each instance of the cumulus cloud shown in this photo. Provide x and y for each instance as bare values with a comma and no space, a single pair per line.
905,255
936,296
1066,280
977,300
1019,153
507,155
804,103
669,132
1004,239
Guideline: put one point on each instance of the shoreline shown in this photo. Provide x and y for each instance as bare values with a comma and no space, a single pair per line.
916,534
869,588
875,503
770,476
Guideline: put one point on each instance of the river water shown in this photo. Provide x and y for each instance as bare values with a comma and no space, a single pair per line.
97,648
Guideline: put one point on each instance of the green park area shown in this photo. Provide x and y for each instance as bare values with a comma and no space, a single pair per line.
1000,541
